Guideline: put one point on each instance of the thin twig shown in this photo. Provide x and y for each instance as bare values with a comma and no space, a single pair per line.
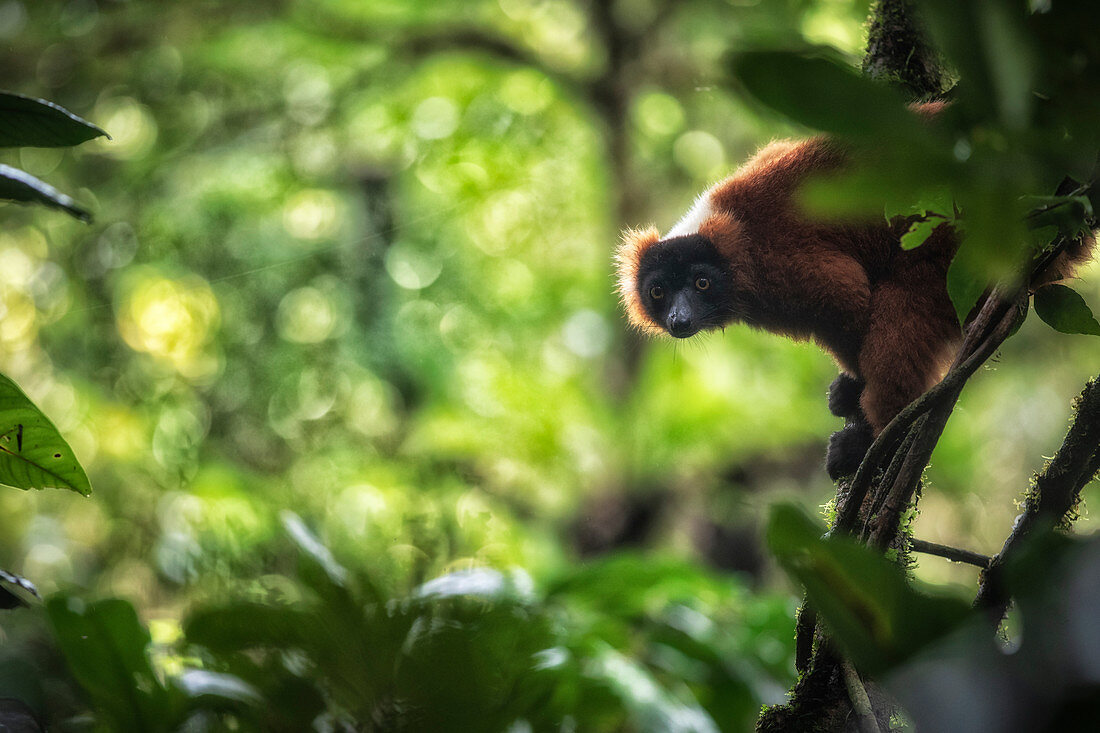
861,703
955,554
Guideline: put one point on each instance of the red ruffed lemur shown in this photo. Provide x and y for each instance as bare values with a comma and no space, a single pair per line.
745,252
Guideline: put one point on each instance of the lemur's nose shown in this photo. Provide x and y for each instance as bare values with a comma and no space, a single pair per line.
680,322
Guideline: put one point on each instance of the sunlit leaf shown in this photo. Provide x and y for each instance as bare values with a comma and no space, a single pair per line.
865,599
613,583
919,231
104,645
213,688
17,185
1063,309
309,544
653,709
42,124
33,455
481,582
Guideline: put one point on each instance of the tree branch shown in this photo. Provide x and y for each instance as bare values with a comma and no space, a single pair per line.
901,492
966,363
1055,493
897,51
951,553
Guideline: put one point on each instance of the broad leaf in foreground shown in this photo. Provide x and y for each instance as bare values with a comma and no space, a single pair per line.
105,646
866,601
26,121
33,455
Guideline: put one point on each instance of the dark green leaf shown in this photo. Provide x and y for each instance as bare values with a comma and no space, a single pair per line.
17,185
865,599
825,94
104,644
992,52
250,625
16,591
33,455
1063,309
41,124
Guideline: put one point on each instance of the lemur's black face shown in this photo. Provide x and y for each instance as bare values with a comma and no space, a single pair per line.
684,285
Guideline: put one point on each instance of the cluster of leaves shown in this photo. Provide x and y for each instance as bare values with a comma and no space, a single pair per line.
30,122
649,645
33,455
935,654
1010,162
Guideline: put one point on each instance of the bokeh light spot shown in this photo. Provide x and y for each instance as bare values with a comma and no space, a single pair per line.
174,320
132,127
526,91
306,316
411,269
659,114
700,154
435,118
312,214
587,334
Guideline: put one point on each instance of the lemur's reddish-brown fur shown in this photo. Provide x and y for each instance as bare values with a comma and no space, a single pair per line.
881,311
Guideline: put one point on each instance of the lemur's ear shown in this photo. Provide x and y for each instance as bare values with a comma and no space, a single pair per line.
634,244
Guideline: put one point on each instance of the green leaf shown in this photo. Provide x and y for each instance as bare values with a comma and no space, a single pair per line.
1063,309
314,549
1070,214
865,599
653,708
104,645
251,625
964,286
33,455
17,185
993,53
826,94
41,124
936,200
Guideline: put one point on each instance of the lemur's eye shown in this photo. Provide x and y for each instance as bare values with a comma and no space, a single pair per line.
702,283
656,292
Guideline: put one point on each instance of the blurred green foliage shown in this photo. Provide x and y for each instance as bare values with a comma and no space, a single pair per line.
353,259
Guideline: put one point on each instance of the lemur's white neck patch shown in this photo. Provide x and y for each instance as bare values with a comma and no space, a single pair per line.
699,212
